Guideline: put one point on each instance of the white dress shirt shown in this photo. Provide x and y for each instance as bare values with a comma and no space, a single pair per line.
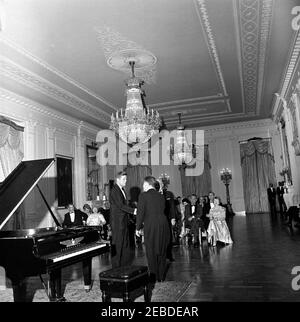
122,191
72,216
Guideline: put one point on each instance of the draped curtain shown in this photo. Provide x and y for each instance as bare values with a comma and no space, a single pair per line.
11,154
199,185
258,171
135,178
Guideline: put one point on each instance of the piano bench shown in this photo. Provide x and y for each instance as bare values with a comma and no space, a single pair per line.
128,282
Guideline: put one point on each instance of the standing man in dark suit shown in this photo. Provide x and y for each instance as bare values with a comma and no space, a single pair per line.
280,193
272,199
193,213
151,213
74,217
122,251
170,212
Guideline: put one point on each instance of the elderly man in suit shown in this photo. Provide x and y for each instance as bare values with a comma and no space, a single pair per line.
74,217
193,213
122,250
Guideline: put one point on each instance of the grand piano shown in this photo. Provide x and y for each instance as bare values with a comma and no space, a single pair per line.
33,252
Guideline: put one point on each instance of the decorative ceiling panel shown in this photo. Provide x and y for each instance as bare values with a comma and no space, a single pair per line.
216,61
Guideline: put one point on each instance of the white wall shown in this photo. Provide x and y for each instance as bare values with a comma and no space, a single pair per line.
224,152
49,133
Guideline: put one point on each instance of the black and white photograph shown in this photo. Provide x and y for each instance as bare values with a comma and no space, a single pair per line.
149,153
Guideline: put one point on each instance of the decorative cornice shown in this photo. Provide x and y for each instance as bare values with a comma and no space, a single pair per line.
53,70
265,33
41,109
214,117
24,76
211,45
288,75
189,102
254,38
240,125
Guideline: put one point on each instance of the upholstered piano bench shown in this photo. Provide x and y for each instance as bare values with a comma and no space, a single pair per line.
127,282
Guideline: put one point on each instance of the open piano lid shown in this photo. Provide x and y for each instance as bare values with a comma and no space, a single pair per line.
15,188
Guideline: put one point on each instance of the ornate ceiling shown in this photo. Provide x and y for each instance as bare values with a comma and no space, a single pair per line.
214,61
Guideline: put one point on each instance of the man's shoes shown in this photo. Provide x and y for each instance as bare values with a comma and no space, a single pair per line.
171,259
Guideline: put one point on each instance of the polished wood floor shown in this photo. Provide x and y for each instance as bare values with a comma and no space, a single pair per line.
257,267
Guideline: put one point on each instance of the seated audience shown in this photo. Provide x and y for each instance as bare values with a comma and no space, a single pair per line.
217,228
293,214
105,211
96,218
193,213
74,217
183,232
87,209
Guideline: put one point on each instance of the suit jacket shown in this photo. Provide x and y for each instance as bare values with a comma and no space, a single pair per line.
271,194
78,219
151,209
170,209
119,211
280,192
198,212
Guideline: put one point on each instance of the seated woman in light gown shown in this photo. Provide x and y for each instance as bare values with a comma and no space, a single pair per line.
96,218
217,229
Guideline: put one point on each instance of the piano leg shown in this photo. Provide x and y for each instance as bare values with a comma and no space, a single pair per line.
87,274
55,286
19,289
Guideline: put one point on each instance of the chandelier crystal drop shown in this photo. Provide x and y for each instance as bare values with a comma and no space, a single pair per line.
137,123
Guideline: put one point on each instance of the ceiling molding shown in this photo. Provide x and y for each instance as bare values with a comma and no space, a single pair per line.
288,75
265,33
211,45
166,108
241,125
34,107
55,71
220,118
254,31
26,77
239,49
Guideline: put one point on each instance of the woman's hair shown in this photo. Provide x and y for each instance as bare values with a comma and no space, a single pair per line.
87,206
185,200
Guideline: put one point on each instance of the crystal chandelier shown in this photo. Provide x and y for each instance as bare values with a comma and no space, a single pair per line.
182,152
137,123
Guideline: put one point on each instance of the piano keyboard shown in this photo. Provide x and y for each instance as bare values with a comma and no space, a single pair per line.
73,251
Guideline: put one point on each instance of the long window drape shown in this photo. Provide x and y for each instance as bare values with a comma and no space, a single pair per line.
199,185
11,154
135,179
258,172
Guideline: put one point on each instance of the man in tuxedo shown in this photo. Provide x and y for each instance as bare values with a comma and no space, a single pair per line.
170,212
122,251
151,216
280,193
193,213
205,211
74,217
272,199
